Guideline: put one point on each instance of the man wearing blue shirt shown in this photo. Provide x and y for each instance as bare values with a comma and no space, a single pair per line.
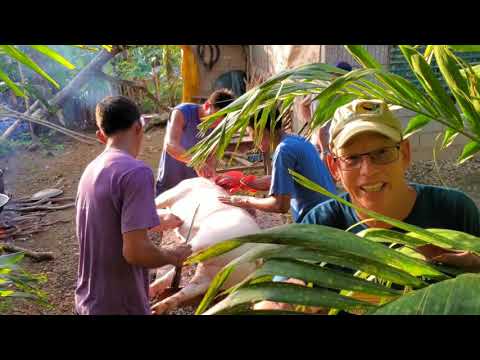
291,152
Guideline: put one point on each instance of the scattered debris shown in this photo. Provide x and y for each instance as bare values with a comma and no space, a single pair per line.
17,226
152,120
34,147
35,255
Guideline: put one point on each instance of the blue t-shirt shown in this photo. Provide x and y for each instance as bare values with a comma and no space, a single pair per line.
435,207
296,153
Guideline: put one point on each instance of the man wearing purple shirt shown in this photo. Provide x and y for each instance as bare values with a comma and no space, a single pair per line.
115,209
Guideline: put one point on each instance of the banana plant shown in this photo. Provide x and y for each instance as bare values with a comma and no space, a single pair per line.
379,279
457,108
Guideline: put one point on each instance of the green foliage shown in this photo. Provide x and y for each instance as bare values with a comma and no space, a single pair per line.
457,296
10,146
18,283
159,65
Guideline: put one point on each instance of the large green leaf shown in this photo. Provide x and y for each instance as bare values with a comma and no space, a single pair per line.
415,124
431,85
52,54
21,57
363,57
320,276
269,251
428,54
449,137
327,239
11,84
10,259
457,296
461,240
215,286
288,293
450,68
469,150
465,48
349,261
390,236
325,112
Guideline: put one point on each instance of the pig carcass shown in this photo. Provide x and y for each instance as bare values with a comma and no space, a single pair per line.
213,223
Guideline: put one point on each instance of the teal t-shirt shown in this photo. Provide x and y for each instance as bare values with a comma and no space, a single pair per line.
435,207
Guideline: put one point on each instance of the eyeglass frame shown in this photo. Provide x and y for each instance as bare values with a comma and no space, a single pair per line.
357,166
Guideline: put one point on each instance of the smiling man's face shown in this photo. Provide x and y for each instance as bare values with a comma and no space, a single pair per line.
371,185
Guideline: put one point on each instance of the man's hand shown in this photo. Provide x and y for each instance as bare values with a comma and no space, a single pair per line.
465,260
430,251
178,254
235,200
167,221
208,170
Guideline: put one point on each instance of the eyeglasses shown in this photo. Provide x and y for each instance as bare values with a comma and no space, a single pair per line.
381,156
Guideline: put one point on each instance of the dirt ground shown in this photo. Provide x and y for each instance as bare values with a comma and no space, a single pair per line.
28,172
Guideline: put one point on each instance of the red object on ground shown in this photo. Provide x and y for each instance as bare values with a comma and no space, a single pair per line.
234,181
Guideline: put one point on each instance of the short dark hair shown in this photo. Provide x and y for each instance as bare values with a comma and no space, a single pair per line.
116,113
221,98
274,120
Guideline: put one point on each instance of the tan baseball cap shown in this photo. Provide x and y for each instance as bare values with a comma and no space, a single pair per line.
363,116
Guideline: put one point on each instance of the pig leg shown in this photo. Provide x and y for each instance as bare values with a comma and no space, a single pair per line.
197,286
164,279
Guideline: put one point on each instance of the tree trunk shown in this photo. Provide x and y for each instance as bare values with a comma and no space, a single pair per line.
68,91
27,105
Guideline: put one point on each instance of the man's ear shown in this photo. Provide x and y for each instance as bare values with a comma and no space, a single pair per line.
207,107
406,153
138,127
101,136
333,167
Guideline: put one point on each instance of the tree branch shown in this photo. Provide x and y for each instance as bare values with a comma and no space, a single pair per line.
134,84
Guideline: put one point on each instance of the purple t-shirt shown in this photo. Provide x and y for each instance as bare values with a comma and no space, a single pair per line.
115,195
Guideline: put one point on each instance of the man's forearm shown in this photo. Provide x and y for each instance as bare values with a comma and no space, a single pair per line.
263,183
178,152
269,204
149,256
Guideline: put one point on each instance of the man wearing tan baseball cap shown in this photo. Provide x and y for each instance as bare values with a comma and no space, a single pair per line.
363,116
370,157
